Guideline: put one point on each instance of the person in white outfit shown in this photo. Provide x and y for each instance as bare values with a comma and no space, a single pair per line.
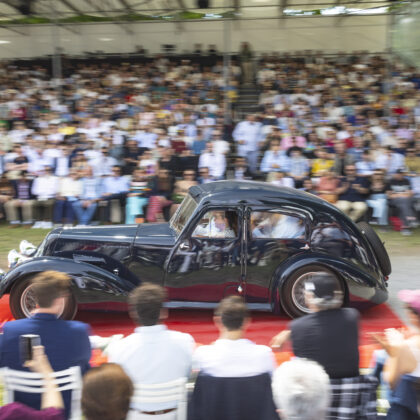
152,354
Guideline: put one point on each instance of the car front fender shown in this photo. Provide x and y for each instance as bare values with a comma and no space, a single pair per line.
90,283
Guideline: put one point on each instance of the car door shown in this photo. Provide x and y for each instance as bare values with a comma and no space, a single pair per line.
273,236
204,266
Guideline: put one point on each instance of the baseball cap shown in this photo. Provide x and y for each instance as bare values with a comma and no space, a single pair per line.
323,285
411,298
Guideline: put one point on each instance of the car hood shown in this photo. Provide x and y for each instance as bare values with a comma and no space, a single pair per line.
118,233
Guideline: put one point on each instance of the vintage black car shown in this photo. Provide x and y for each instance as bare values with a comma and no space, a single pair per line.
227,237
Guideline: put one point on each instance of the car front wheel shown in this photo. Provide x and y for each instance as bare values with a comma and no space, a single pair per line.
293,294
22,301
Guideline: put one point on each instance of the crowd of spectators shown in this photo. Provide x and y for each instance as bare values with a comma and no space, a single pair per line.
231,379
124,143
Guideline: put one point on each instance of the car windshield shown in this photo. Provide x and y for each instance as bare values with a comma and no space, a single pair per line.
183,214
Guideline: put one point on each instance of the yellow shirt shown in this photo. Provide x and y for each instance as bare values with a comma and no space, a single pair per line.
320,165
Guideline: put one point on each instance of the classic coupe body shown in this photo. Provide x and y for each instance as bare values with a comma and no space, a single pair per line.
227,237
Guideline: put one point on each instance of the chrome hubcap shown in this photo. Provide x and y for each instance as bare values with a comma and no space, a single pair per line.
298,291
28,303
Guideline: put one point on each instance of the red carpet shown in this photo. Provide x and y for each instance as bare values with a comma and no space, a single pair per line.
199,323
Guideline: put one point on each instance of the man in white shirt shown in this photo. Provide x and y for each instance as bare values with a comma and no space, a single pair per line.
216,162
45,188
274,160
247,135
232,355
152,354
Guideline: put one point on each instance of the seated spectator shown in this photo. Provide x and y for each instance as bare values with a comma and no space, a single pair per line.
240,170
341,158
205,176
378,199
231,355
400,195
365,166
327,186
412,162
389,161
301,390
152,354
106,393
298,167
234,373
402,367
274,160
66,343
45,188
181,188
52,405
309,187
22,201
114,187
85,207
137,196
352,191
321,163
330,334
69,190
279,179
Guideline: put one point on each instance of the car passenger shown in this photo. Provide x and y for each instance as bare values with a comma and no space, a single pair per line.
219,226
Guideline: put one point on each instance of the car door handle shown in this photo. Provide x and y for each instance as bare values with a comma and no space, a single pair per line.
306,247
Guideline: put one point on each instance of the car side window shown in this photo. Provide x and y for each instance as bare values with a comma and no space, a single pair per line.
217,224
268,225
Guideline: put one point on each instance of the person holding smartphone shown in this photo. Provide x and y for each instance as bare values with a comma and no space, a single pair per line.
52,405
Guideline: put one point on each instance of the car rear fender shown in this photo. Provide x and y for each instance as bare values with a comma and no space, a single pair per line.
89,282
352,277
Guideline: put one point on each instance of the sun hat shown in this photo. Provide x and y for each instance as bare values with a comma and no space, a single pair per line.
411,298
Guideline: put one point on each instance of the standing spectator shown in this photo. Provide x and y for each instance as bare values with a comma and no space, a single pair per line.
400,196
301,390
45,188
215,162
22,200
161,189
165,355
181,188
245,55
66,343
85,207
352,191
137,196
247,136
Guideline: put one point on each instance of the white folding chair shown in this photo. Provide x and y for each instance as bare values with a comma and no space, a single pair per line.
173,391
66,380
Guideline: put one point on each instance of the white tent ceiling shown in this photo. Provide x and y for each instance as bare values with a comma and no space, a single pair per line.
9,9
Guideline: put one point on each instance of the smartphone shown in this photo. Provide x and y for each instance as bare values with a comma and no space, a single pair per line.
27,343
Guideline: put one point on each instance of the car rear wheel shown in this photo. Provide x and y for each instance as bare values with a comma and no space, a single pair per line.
293,293
22,301
378,247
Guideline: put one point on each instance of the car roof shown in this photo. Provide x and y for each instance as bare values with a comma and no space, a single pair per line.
251,192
